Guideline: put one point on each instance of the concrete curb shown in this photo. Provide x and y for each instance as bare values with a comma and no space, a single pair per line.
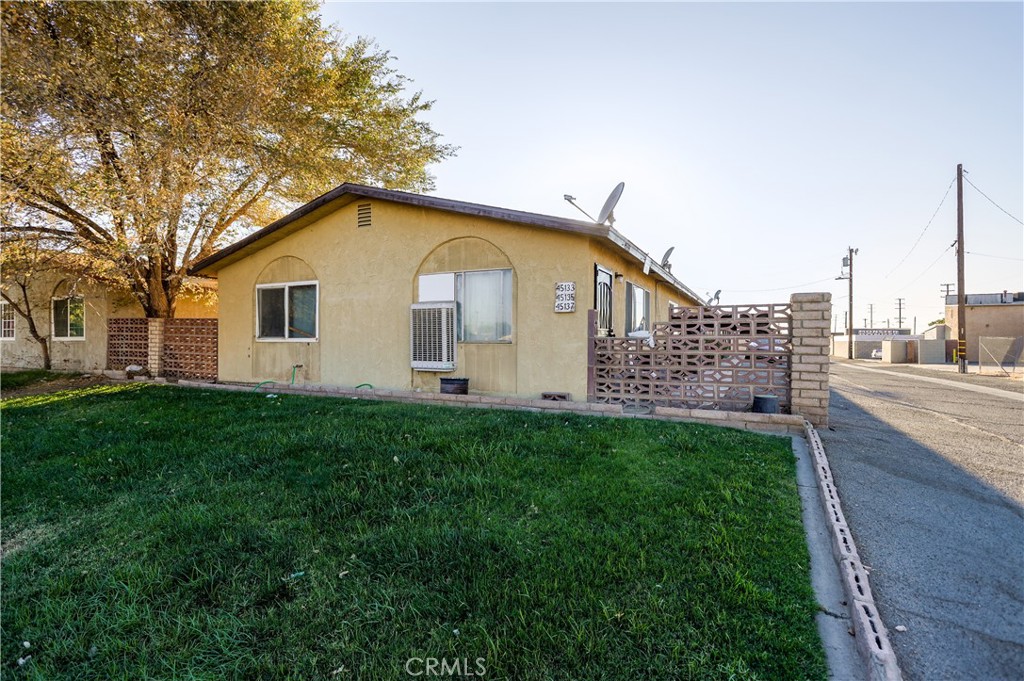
871,635
776,424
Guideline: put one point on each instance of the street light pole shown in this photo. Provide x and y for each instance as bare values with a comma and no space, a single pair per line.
849,329
848,262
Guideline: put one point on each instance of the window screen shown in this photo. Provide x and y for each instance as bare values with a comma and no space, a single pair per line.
302,311
271,305
69,318
638,308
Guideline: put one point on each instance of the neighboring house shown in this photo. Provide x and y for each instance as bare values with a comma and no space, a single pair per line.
998,315
366,285
74,314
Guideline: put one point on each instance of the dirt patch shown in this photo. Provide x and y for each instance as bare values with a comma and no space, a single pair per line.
55,385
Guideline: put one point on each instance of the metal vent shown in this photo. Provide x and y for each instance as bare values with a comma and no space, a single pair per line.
363,215
432,336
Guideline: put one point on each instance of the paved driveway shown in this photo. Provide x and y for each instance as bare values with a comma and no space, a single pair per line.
931,476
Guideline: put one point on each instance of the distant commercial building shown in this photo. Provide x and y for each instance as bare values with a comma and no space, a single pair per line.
990,315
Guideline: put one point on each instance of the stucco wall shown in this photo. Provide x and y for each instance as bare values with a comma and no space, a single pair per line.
368,279
1006,320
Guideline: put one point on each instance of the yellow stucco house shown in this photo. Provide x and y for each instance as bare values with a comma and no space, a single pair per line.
397,290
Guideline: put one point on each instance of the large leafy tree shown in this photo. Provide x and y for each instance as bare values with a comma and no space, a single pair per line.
144,135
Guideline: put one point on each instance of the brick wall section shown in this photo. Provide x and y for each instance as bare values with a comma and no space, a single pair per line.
127,343
812,313
189,348
156,343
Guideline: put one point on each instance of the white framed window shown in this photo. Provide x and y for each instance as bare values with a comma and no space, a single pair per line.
69,318
6,321
288,312
483,302
638,308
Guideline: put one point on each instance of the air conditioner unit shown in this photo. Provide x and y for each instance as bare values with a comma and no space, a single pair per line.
432,338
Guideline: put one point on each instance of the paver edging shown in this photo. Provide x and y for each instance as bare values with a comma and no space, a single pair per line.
872,638
773,424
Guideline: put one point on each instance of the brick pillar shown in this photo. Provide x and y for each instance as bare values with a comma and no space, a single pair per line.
155,364
812,314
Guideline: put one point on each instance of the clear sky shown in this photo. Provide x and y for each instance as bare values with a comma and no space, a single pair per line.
758,139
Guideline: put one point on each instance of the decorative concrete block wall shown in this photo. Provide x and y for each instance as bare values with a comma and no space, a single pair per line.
127,342
812,313
176,348
190,348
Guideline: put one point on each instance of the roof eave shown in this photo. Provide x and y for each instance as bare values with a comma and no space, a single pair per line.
650,263
241,247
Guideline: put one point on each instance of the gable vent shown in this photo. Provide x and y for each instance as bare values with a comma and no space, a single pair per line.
363,215
432,336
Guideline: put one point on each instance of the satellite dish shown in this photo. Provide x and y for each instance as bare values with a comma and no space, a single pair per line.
606,214
664,258
718,294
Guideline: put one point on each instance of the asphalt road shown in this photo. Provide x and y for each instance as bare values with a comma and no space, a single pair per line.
931,478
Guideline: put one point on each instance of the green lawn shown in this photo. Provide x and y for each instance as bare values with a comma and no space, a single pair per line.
159,532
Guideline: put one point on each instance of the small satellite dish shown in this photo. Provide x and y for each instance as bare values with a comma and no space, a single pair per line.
714,298
607,214
664,258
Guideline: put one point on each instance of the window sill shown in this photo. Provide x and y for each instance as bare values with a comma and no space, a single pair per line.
287,340
73,339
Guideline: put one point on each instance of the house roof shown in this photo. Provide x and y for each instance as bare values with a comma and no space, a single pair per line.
345,194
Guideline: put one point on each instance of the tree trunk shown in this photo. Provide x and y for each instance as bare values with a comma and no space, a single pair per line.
45,346
44,342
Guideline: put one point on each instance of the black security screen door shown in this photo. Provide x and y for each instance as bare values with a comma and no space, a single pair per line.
603,300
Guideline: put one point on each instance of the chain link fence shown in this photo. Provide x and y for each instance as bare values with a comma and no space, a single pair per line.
1003,356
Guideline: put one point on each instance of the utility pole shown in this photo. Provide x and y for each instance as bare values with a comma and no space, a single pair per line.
848,262
871,315
961,296
899,312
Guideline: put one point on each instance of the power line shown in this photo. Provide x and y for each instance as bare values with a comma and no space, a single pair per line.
930,220
1016,219
929,267
766,290
1001,257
